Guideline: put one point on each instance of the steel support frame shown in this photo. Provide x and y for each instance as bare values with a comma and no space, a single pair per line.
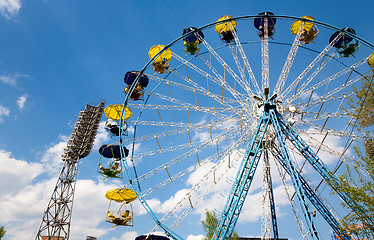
248,168
294,175
243,180
322,169
271,193
313,198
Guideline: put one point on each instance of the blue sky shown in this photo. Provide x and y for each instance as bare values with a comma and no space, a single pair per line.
57,56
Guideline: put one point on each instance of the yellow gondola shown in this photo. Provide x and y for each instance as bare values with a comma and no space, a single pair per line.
160,63
226,29
306,30
114,112
302,25
120,198
370,60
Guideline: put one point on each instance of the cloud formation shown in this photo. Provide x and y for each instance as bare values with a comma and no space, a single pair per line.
21,101
4,111
10,8
26,188
11,78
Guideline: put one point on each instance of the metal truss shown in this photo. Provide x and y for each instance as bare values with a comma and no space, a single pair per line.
56,218
282,131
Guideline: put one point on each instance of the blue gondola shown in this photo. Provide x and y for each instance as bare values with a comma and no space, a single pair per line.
343,45
191,43
131,76
112,151
138,92
259,24
151,237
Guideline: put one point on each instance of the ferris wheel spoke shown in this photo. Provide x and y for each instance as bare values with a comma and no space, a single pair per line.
177,124
321,56
288,64
328,81
265,56
314,116
323,100
184,156
212,125
242,80
187,105
225,162
218,79
252,77
332,94
324,131
219,112
226,68
190,143
220,99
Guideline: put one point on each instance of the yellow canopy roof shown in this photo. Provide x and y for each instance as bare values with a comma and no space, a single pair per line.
164,57
226,26
114,112
298,23
371,60
121,195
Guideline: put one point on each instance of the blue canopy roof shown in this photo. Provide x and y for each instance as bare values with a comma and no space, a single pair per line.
259,22
131,76
199,35
151,237
112,151
344,39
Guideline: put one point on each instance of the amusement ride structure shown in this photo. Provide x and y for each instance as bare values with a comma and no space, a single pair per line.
207,111
199,132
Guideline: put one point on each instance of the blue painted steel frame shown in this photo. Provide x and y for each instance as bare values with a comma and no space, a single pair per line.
314,199
254,160
322,169
294,176
248,167
243,180
271,195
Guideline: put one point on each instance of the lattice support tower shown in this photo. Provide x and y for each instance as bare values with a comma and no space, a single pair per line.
55,224
282,131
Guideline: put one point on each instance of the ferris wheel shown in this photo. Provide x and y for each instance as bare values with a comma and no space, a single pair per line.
261,97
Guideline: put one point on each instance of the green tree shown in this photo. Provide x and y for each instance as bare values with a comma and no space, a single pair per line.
362,104
2,232
358,183
358,178
210,224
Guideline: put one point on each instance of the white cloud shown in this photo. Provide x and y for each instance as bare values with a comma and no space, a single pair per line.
127,236
201,136
21,101
4,111
11,78
331,144
85,208
102,136
15,174
25,193
9,8
195,237
51,159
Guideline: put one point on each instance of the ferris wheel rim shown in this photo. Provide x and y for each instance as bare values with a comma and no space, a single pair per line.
126,101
